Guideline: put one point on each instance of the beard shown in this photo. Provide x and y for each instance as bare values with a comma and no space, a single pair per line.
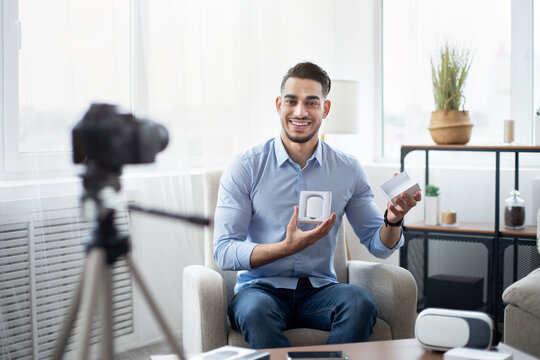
299,139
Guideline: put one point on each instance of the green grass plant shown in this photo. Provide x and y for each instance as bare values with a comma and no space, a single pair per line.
449,72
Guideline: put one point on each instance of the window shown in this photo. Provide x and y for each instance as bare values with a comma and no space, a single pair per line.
70,54
412,33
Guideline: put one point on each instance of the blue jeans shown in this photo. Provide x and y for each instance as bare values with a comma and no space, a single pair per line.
262,312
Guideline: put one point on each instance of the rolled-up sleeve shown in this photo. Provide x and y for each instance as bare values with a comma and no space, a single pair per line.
366,218
232,219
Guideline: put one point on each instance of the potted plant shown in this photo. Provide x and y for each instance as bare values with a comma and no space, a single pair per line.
449,125
431,207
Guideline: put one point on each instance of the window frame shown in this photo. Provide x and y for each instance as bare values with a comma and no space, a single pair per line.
522,64
48,163
13,160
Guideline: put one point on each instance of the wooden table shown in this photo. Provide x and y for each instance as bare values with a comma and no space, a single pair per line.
407,349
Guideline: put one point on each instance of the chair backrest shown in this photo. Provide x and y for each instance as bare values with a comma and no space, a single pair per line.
211,186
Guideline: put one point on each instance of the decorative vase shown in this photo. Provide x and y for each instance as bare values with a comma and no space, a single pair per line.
450,127
431,207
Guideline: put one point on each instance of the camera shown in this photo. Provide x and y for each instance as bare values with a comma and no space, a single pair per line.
109,138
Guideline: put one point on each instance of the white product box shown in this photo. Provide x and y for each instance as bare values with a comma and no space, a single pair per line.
314,206
398,184
226,352
462,353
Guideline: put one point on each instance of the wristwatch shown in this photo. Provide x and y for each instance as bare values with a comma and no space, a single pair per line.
388,223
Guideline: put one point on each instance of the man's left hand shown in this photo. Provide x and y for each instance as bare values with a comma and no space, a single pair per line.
404,203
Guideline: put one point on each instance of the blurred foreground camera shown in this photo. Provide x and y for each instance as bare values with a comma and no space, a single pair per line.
104,140
108,138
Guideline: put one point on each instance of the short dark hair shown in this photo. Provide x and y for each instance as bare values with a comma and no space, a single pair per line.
309,70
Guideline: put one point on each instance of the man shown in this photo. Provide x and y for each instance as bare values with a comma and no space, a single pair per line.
287,279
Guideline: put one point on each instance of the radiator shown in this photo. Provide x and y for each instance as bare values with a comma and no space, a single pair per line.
41,258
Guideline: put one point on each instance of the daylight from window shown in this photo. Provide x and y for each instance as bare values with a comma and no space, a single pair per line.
71,54
413,32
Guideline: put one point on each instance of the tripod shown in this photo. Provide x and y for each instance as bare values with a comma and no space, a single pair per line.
95,285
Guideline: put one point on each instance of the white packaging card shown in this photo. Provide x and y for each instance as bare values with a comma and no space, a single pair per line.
399,184
462,353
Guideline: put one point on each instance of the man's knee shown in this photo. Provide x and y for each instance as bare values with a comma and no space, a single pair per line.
361,303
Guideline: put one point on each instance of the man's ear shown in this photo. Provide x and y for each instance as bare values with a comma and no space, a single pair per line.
278,104
326,108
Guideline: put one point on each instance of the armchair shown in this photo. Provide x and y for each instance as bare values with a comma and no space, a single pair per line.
522,314
207,291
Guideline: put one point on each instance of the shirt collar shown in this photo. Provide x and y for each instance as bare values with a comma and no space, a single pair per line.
317,155
282,156
281,153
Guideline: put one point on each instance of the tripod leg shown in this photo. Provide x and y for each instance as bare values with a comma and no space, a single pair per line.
96,261
154,308
107,341
61,343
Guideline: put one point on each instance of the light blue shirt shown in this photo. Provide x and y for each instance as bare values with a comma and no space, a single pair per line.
255,203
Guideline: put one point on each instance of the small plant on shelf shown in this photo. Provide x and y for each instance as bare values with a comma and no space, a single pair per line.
432,190
431,205
538,112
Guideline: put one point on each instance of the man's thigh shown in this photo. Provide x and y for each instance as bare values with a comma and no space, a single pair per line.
256,303
319,310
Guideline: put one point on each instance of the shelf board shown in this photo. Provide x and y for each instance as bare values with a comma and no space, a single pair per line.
504,148
474,227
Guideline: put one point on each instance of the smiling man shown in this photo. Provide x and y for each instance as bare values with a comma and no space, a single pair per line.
286,277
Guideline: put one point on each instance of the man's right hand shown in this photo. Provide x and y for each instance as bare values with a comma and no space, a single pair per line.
295,241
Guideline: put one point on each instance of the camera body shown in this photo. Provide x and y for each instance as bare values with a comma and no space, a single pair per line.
110,139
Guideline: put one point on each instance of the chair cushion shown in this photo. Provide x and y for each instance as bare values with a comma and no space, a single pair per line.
306,337
521,330
382,331
525,293
297,337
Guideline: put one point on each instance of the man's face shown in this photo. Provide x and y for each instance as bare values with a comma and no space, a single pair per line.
301,108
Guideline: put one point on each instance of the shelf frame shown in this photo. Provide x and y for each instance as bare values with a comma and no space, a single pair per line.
495,268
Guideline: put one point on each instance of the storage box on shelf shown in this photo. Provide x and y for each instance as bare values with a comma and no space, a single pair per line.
493,255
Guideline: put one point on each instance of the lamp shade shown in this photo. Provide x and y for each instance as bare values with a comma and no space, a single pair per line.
343,115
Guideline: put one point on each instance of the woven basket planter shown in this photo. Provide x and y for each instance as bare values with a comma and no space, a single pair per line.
450,127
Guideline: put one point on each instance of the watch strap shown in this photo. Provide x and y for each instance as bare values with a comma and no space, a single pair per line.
388,223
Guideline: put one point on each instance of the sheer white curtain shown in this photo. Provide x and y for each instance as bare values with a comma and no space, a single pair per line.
213,69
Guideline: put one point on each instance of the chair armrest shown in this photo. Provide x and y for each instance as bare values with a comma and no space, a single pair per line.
394,290
204,313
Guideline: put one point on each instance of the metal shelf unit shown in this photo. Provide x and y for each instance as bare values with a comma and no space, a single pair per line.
504,249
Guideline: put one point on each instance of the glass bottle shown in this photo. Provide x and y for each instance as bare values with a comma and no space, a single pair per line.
514,212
